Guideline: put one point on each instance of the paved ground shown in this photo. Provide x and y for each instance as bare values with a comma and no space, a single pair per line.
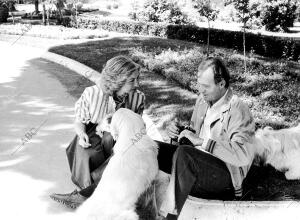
32,168
37,125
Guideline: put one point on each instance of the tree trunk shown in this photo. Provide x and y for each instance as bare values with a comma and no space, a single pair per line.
76,15
244,44
208,30
36,6
48,16
244,41
44,14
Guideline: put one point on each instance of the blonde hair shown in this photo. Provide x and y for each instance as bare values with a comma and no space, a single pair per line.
115,73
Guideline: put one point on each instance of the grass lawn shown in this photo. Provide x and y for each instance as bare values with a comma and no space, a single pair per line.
271,89
163,95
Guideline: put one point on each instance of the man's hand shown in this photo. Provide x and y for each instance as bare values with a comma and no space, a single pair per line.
173,130
84,140
191,136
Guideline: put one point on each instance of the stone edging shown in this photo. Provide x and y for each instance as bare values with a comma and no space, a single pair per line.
244,203
76,66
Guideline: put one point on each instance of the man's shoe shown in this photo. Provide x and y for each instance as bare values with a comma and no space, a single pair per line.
71,200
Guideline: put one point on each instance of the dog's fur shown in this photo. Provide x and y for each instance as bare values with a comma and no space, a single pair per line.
128,174
280,149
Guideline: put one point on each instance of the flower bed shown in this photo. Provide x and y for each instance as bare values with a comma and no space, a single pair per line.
56,32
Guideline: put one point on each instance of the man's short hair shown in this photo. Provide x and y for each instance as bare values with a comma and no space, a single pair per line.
220,70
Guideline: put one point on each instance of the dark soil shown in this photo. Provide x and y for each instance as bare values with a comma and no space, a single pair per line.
266,183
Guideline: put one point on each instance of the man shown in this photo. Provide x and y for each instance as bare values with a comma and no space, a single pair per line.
219,155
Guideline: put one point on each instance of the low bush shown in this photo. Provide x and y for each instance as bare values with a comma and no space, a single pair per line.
55,32
3,11
130,27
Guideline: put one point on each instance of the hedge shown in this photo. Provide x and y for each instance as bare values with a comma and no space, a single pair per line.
268,46
130,27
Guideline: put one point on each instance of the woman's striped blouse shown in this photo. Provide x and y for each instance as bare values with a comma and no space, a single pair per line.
94,105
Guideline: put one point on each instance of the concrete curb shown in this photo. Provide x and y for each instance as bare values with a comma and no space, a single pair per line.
76,66
196,208
71,64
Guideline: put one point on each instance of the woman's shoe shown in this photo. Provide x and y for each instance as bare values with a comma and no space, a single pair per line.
71,200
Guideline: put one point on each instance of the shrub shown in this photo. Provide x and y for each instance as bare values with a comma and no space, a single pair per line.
162,11
278,14
3,12
132,27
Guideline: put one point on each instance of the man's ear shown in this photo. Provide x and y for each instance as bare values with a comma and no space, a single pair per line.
222,83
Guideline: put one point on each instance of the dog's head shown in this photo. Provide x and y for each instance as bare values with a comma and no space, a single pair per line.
269,142
127,128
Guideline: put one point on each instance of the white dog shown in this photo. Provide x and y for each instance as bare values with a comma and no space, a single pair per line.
128,174
281,149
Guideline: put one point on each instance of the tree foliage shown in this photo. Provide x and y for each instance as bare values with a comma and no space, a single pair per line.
244,14
162,11
278,14
205,9
242,7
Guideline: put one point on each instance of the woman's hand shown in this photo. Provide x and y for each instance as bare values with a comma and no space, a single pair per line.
80,131
84,140
191,136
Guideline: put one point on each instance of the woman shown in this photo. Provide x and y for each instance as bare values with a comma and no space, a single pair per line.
88,152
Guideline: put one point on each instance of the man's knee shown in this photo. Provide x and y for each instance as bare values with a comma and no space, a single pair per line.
184,150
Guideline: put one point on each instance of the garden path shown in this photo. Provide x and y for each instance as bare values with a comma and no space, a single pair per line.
36,127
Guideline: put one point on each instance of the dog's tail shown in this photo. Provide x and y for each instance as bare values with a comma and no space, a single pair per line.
128,215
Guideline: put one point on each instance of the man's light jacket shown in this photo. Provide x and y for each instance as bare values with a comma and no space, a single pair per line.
232,133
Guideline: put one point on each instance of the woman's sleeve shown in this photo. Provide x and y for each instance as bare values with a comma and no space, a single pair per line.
82,107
